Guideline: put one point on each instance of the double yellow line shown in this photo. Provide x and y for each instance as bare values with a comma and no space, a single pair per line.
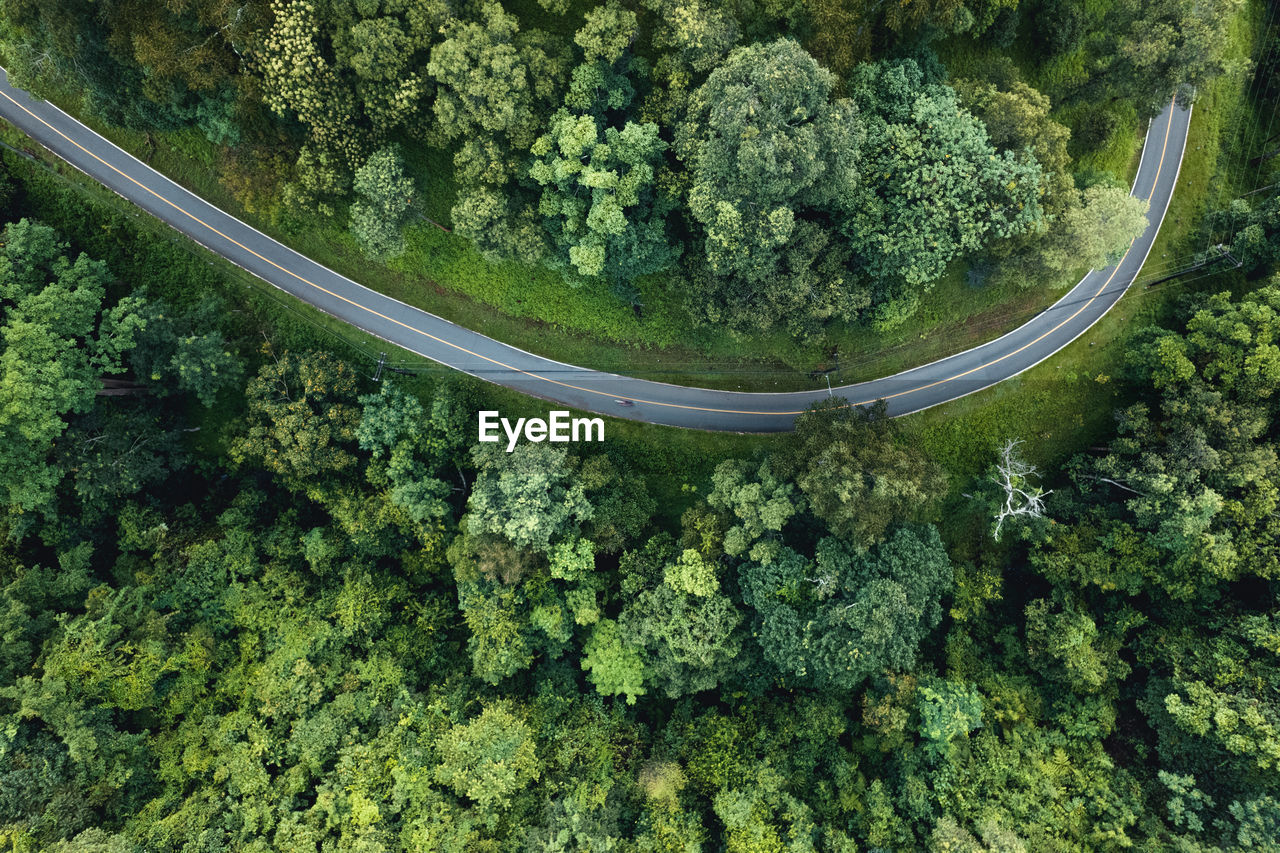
514,369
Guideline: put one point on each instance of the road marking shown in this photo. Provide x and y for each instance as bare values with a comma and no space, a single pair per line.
353,303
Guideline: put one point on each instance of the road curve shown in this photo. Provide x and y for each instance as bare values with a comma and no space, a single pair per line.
655,402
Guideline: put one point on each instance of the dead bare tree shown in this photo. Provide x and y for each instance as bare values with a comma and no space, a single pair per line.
1021,497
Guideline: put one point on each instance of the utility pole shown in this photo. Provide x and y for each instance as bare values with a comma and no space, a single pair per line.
1225,251
382,360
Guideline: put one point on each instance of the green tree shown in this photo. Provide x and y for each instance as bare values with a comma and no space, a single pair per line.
529,496
768,146
492,80
59,336
840,618
385,196
1094,231
599,200
757,502
1168,47
302,419
613,665
489,758
351,76
607,32
948,711
83,45
1066,645
495,86
1017,119
1185,497
186,351
935,187
1252,233
858,475
687,626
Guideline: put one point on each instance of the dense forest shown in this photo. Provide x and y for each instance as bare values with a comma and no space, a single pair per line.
782,165
252,599
337,624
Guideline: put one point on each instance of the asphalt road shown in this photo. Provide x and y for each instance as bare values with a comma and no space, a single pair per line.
656,402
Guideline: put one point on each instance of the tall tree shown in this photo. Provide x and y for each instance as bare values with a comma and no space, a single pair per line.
1185,497
530,496
935,186
59,336
837,619
495,85
385,196
858,476
1165,48
768,146
599,201
302,419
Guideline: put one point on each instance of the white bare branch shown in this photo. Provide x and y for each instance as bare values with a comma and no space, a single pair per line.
1021,497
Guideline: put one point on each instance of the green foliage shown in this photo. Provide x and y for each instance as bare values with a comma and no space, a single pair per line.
1185,496
269,655
1066,645
599,198
489,758
491,78
934,186
530,496
607,32
1168,47
1254,232
59,337
858,476
614,666
948,711
838,619
769,149
302,419
758,504
689,636
350,76
1017,120
378,217
1094,230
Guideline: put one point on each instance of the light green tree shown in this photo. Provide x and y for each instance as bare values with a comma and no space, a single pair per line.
488,759
613,665
599,199
606,33
1094,231
530,496
856,473
385,196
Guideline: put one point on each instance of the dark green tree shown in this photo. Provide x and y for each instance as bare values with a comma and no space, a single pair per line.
857,473
840,618
935,188
770,149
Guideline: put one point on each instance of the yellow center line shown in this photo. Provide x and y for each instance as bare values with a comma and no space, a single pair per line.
514,369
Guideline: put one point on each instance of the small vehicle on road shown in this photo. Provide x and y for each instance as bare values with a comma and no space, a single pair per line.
625,402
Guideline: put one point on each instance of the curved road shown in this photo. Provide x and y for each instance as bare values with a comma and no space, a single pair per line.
655,402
